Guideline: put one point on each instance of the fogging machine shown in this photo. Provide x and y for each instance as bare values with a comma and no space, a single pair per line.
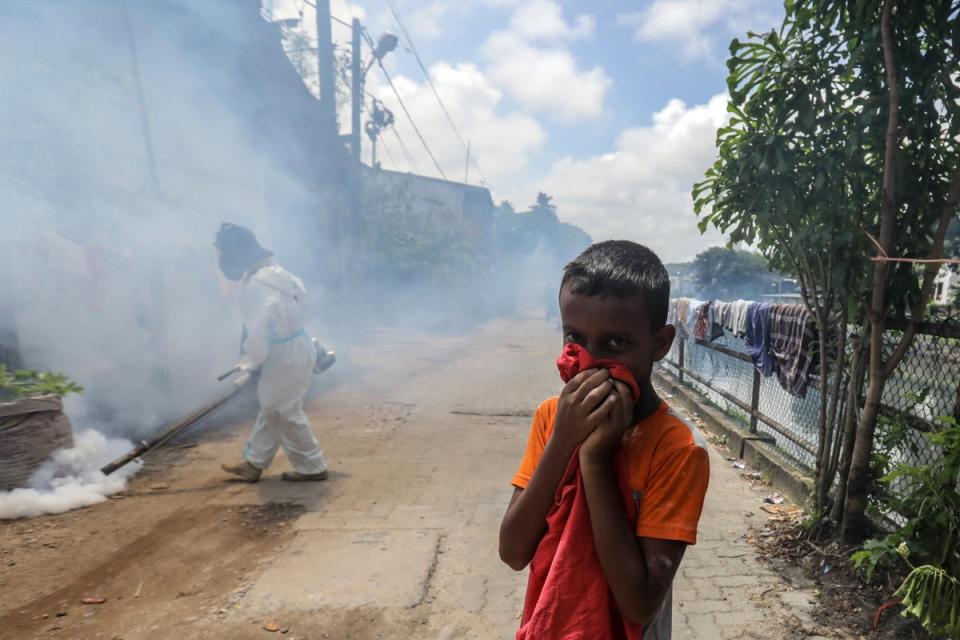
325,360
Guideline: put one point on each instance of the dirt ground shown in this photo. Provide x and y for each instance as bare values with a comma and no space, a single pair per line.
846,599
185,554
422,438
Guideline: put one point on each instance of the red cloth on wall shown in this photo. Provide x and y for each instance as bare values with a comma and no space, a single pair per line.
575,359
567,594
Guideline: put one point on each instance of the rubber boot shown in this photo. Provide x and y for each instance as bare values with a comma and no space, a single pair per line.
245,471
296,476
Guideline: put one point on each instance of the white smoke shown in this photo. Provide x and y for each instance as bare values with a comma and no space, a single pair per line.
138,128
71,478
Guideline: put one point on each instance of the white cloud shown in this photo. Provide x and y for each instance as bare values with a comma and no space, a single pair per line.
641,190
426,22
531,59
547,80
697,27
543,20
502,144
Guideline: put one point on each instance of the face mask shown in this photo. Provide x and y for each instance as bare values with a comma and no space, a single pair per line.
231,267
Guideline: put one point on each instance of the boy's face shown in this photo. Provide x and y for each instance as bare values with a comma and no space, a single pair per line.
616,329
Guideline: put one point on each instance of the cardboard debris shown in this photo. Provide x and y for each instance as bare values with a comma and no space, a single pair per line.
782,512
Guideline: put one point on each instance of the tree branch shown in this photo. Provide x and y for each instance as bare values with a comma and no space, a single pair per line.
929,273
889,203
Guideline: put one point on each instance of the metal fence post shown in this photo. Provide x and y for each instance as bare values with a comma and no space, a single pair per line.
680,369
755,400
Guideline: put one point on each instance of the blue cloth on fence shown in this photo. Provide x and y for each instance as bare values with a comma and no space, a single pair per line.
758,336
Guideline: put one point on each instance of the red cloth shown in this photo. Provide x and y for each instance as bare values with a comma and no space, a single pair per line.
575,359
567,594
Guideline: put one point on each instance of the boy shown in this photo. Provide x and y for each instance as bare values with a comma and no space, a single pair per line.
611,486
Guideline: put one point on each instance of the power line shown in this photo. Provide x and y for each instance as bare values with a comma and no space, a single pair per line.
383,145
343,22
436,94
402,105
412,123
406,152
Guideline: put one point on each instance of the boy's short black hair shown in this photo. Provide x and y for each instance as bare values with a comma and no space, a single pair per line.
621,268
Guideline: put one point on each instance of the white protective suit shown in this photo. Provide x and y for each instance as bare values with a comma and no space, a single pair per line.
278,346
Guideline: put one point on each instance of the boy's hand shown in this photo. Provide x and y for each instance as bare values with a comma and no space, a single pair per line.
602,443
585,402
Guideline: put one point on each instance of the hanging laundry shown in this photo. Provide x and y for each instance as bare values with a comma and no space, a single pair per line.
758,336
683,310
700,321
704,327
722,313
690,325
738,317
793,346
715,328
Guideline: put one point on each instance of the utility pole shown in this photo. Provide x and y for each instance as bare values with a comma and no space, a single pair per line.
325,69
466,171
356,90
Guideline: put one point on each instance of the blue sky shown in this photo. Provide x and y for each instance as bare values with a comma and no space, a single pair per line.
610,107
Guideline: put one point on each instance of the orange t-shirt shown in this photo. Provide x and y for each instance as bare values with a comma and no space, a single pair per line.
668,464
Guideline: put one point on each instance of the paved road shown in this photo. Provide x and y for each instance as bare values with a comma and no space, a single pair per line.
407,530
399,543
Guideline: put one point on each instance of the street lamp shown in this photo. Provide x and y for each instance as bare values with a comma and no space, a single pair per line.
385,44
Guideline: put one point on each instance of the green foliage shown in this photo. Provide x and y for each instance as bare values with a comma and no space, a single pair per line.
933,597
927,498
520,235
924,495
951,248
875,554
800,164
801,161
726,274
22,383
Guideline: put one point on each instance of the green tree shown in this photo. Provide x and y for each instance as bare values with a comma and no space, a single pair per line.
951,246
519,234
726,274
844,125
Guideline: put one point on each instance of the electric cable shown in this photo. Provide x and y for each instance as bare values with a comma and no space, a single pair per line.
406,111
436,94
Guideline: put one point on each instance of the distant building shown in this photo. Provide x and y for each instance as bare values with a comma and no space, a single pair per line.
419,203
946,286
469,204
784,291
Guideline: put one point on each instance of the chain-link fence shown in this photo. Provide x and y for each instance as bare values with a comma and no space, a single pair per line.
926,385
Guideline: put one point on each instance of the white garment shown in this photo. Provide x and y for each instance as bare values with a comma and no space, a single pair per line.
739,323
278,346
